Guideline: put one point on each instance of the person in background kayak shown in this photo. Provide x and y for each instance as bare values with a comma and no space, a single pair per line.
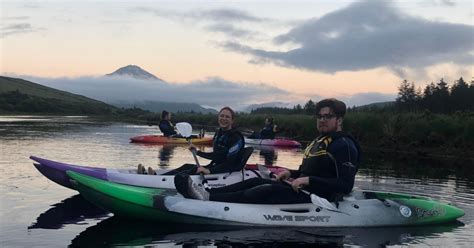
267,132
228,147
166,127
328,169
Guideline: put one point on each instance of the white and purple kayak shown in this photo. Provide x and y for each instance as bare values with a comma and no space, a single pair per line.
56,172
273,142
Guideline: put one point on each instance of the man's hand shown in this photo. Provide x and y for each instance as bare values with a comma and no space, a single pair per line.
283,175
298,183
192,148
203,171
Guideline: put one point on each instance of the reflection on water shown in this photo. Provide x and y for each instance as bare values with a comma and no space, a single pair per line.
117,231
72,210
269,154
33,208
165,153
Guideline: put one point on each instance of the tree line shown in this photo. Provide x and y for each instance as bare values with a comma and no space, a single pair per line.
308,108
437,98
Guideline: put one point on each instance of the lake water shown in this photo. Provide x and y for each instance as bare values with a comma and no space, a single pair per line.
37,212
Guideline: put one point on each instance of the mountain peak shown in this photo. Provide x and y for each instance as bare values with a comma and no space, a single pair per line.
135,72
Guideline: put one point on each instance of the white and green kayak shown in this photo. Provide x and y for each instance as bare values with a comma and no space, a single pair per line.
362,208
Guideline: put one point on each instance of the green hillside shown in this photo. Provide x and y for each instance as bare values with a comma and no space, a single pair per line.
21,96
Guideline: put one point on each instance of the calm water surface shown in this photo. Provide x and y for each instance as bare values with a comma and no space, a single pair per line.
37,212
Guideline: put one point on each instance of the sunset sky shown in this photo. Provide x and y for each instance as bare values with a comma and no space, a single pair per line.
235,52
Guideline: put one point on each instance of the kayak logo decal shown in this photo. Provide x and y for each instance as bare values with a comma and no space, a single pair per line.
436,211
405,211
303,218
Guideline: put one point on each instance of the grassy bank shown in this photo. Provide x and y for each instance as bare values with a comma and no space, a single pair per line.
404,134
422,134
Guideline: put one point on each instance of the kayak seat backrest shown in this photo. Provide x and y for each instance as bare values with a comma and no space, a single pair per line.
245,157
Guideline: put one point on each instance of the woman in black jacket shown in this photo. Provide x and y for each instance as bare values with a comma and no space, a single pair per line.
227,151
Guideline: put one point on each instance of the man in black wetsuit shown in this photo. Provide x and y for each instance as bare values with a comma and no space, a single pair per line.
329,166
267,132
165,125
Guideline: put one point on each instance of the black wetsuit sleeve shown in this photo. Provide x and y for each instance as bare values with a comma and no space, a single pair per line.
345,156
294,173
206,155
232,153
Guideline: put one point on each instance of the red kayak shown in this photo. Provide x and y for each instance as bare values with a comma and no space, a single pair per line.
273,142
170,140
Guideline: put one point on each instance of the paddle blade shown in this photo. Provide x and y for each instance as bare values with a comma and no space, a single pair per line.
319,201
264,171
184,128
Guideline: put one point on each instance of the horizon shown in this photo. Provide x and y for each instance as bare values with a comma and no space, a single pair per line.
218,54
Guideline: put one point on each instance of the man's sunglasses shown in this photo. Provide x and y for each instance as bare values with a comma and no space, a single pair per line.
325,117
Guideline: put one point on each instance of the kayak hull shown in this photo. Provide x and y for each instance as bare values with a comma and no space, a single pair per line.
56,172
159,139
273,142
364,208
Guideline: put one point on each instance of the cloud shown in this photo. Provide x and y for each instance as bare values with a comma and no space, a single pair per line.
18,28
16,18
229,30
215,92
366,35
212,92
213,15
449,3
8,28
229,15
224,21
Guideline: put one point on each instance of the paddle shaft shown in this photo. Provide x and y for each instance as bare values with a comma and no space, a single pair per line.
319,201
193,151
201,174
185,129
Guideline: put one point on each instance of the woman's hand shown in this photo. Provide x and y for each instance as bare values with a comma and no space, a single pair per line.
203,170
283,175
192,148
298,183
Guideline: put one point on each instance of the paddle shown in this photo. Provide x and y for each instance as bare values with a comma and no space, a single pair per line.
316,200
185,129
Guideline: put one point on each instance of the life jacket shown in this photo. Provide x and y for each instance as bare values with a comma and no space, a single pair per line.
166,127
318,160
269,131
221,142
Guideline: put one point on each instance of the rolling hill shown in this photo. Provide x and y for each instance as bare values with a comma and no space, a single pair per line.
21,96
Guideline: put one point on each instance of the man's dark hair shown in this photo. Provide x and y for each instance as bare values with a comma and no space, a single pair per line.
338,107
164,113
270,119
